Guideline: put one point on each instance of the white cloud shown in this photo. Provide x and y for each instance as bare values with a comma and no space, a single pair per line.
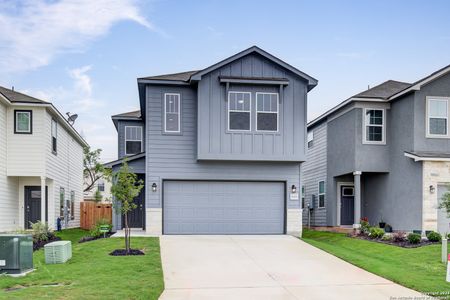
33,32
82,80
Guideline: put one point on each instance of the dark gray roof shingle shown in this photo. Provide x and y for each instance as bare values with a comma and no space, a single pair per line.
14,96
183,76
384,90
130,114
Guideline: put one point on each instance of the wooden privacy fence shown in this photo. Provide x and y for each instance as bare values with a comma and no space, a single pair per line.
91,212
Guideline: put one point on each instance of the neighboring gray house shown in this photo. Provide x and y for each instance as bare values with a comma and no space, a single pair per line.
383,154
220,149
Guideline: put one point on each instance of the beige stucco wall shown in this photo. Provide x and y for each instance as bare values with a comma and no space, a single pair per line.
434,173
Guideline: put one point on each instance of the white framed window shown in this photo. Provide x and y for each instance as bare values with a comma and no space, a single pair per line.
23,121
267,111
172,104
310,138
374,131
321,194
72,205
133,140
437,116
54,136
239,111
101,185
303,196
61,202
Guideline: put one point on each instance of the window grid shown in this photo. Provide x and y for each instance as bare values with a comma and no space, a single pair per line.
321,194
441,113
23,121
133,134
374,132
61,203
235,106
171,111
267,103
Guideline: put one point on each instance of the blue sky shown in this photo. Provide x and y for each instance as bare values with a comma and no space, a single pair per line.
85,56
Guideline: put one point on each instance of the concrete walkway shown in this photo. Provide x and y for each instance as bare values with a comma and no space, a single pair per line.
264,267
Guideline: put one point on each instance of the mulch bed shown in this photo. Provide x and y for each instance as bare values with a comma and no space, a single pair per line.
93,238
123,252
404,244
39,244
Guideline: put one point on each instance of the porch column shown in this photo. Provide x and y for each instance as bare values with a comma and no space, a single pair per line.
357,182
43,199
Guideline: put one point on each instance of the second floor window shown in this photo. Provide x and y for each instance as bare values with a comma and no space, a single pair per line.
23,121
172,113
374,121
101,186
267,111
437,117
310,137
133,140
54,136
239,111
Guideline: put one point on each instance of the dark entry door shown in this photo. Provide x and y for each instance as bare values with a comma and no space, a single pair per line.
136,217
33,205
347,205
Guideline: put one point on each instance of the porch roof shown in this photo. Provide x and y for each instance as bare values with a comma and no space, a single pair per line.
428,156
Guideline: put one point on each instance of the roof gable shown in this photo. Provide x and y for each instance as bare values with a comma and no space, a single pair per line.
312,82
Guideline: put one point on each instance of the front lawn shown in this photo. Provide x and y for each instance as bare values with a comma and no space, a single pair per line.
417,268
92,273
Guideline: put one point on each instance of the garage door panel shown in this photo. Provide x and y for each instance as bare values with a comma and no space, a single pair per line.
208,207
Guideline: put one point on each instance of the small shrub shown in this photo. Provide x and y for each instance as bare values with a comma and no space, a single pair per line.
376,233
386,238
95,231
433,236
41,232
365,226
414,238
399,236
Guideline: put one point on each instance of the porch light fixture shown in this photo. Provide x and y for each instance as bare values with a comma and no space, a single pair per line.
154,187
432,189
293,189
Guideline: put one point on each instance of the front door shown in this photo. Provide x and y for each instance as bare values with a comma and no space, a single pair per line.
33,205
347,205
136,217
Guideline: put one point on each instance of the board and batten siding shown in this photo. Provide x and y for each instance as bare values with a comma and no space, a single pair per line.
65,169
174,156
313,171
9,204
215,142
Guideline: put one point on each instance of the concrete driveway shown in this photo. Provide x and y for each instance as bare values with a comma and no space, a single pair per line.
264,267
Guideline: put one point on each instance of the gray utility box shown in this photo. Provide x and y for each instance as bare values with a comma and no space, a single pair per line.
58,252
16,253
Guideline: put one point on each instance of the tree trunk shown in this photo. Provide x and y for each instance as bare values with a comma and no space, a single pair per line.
127,246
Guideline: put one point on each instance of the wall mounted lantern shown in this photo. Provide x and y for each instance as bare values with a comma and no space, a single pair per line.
432,189
154,187
293,189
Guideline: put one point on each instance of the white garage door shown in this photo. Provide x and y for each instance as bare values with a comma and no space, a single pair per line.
217,207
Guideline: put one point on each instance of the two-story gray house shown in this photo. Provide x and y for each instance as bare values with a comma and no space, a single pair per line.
383,154
220,148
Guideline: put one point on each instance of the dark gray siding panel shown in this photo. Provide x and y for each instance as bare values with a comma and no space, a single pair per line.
215,142
121,134
313,171
175,156
439,87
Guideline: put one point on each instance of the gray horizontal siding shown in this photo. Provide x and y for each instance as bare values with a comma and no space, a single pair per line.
121,135
313,171
175,156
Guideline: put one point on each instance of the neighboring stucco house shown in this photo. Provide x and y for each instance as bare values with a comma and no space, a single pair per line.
383,154
40,154
220,149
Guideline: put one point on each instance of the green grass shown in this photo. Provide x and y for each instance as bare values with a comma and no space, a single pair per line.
92,273
417,268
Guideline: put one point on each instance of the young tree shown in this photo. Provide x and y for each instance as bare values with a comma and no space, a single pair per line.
125,188
445,201
93,169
